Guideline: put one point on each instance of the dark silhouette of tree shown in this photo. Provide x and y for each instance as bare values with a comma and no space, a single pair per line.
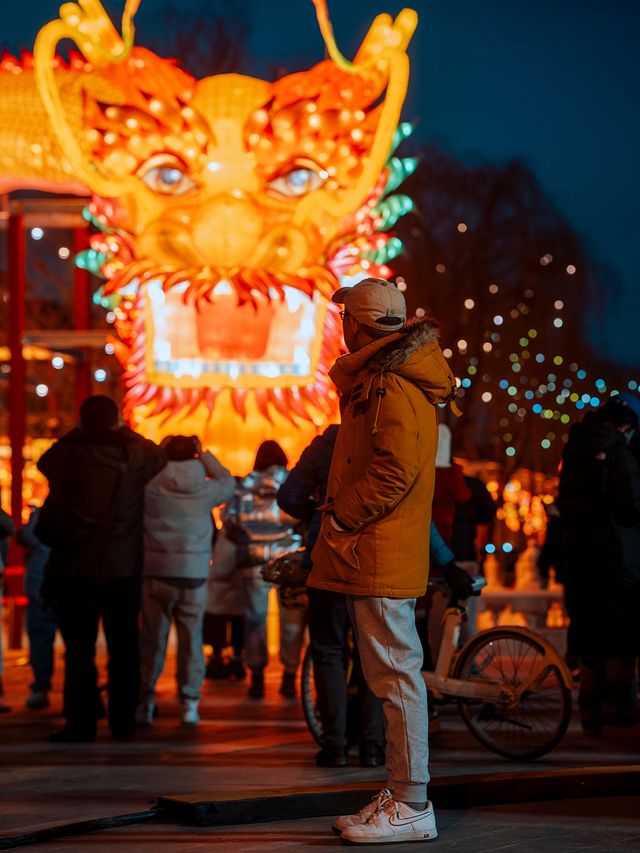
206,37
512,288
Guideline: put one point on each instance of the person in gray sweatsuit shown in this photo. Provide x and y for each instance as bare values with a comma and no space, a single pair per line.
178,527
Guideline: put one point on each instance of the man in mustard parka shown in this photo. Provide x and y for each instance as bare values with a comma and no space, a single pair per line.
374,539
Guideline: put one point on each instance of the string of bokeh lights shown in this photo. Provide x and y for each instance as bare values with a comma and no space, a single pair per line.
526,393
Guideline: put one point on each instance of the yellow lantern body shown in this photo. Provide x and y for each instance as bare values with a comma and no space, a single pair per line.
226,210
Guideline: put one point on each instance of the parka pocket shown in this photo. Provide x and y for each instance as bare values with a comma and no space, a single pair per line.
342,546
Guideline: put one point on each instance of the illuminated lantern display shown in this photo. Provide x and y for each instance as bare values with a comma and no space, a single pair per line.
226,211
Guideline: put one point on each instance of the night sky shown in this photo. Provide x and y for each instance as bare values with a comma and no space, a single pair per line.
553,82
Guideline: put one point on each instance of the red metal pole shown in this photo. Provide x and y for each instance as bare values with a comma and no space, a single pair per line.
81,317
18,375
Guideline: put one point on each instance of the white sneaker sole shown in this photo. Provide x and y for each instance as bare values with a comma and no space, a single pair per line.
396,838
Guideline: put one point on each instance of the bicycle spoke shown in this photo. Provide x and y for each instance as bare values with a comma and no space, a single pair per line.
541,714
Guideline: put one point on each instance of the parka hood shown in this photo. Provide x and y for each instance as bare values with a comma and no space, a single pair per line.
397,353
185,477
413,354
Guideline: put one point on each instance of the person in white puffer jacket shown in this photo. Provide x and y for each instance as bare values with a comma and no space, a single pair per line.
178,526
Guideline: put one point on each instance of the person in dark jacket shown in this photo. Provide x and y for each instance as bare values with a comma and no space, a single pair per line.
6,530
42,623
552,556
92,521
306,484
632,400
599,502
299,496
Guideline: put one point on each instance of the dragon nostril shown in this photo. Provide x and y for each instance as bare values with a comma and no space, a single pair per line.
225,244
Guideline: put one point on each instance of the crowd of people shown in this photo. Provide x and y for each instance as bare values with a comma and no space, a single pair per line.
130,537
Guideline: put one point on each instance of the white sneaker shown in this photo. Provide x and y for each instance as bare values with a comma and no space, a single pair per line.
364,814
145,713
394,823
190,715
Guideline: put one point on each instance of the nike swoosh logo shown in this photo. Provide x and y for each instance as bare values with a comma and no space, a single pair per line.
406,821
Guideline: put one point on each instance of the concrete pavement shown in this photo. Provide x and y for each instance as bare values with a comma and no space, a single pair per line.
245,746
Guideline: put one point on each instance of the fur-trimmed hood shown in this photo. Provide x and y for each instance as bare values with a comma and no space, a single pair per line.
407,343
413,353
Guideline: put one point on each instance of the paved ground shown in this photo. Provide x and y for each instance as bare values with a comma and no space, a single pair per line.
246,745
560,827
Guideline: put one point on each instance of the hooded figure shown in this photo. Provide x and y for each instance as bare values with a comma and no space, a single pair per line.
178,528
178,525
374,538
382,475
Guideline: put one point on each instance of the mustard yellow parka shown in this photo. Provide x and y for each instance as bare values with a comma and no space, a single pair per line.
383,469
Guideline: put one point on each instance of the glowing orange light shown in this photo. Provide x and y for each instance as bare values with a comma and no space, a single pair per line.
233,208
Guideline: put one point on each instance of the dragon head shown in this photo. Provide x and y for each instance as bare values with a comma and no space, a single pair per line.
227,211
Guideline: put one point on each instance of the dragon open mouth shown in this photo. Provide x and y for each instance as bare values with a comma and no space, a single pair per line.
273,340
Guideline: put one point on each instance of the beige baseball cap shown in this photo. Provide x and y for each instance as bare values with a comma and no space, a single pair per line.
374,302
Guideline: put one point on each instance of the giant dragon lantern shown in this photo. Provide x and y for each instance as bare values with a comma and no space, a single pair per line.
225,212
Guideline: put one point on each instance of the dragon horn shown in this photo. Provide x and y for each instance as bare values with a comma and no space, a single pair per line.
384,49
88,25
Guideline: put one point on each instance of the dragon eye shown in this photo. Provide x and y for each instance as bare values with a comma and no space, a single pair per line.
298,181
167,176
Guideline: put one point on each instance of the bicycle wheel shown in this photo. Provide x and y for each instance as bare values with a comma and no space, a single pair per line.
534,724
308,697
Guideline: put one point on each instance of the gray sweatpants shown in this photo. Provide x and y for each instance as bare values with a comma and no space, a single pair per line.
391,659
161,604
